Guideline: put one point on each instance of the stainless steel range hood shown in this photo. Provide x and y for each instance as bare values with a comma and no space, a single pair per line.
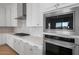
21,17
21,11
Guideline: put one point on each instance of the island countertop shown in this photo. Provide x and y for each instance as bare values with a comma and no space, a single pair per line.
38,41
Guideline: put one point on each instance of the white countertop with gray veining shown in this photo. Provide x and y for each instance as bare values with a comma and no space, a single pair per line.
61,33
33,40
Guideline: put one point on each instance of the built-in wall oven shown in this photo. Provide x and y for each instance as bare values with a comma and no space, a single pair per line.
54,45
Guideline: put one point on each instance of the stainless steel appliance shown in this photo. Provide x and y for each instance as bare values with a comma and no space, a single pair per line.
54,45
54,23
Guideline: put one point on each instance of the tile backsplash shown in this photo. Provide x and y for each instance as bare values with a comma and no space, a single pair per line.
33,30
7,30
36,31
21,27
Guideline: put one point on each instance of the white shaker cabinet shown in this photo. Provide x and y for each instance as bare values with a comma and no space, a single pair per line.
29,15
47,7
2,39
33,14
44,7
61,5
11,14
8,16
2,16
8,13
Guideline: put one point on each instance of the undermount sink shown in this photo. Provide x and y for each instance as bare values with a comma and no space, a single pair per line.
21,34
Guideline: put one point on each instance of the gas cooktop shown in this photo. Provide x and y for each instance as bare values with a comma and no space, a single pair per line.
21,34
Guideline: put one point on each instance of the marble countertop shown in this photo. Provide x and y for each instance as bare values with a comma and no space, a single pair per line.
61,33
33,40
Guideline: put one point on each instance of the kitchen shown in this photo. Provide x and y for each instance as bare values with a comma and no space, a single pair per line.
25,29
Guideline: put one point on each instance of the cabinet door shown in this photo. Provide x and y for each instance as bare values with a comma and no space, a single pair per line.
2,39
61,5
8,16
27,49
44,7
29,15
2,16
13,16
33,14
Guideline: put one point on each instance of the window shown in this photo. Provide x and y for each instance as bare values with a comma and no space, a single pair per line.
63,25
58,25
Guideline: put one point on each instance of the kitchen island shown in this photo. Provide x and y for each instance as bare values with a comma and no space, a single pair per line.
26,45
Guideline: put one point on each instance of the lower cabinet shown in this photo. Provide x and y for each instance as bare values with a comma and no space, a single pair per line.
2,39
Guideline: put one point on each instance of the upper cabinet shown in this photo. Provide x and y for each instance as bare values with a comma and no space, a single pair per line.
47,6
14,15
8,13
44,7
33,15
2,17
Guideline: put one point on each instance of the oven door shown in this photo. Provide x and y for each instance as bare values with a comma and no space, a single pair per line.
52,49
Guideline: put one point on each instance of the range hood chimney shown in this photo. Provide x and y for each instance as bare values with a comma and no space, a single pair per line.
21,11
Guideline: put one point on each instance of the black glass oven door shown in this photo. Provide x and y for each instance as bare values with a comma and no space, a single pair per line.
52,49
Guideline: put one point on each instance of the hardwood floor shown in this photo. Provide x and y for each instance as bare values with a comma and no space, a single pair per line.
6,50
